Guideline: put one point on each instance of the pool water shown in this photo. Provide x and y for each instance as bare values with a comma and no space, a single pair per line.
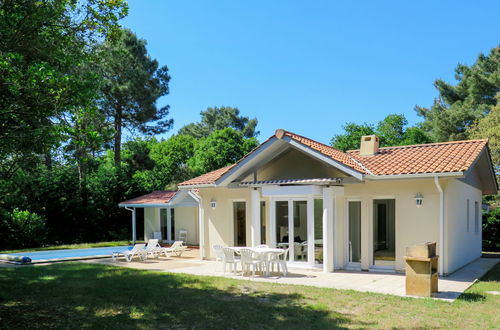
71,254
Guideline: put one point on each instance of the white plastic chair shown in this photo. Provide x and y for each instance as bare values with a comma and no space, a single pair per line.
139,250
230,259
262,246
183,235
248,260
280,260
219,254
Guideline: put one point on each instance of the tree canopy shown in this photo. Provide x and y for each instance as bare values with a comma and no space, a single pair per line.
392,131
218,118
133,82
458,106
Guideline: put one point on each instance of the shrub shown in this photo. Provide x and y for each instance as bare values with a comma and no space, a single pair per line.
28,229
491,230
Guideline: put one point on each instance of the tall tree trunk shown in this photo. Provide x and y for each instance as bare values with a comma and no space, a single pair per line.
118,137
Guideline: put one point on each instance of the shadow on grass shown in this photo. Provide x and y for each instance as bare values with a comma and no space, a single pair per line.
471,297
96,296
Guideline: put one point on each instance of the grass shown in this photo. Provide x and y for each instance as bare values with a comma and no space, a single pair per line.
71,246
80,295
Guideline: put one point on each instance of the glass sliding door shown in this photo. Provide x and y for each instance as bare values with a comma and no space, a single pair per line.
239,216
282,224
263,222
354,231
300,230
318,231
384,232
164,224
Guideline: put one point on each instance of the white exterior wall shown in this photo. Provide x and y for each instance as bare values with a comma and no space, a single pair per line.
187,218
462,246
413,225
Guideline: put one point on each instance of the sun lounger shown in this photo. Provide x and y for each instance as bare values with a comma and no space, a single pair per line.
139,250
155,250
177,248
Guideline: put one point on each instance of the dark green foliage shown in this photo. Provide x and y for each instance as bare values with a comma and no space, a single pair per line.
219,149
491,230
392,131
133,82
44,46
458,106
217,118
27,229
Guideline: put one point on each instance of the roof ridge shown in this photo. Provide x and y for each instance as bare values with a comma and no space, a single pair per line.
338,150
426,144
304,137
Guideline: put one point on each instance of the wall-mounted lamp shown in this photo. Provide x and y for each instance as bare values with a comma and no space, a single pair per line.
213,203
419,199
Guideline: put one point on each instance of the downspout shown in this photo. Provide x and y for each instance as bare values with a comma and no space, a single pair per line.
441,225
201,228
133,224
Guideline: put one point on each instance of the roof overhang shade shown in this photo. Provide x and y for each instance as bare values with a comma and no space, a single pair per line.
162,199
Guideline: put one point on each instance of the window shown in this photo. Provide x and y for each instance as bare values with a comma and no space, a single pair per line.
476,217
263,222
468,215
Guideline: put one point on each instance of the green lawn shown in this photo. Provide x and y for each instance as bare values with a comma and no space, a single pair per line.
71,246
78,295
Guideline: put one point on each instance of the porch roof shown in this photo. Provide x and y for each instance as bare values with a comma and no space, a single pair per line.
318,181
161,198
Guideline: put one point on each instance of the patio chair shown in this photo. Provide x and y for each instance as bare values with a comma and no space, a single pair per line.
300,250
219,254
262,246
154,249
248,260
176,248
280,261
229,258
139,250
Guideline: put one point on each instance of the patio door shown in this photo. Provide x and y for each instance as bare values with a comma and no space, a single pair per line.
292,230
353,247
240,223
384,232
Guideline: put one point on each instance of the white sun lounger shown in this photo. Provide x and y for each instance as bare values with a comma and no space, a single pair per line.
177,248
139,250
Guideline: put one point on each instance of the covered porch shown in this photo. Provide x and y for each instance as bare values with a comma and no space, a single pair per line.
168,216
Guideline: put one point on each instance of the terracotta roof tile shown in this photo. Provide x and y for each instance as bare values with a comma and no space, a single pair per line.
455,156
328,151
207,178
156,197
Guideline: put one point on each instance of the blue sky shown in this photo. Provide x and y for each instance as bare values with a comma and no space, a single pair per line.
310,66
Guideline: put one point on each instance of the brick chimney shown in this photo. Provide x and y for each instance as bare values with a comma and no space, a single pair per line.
369,145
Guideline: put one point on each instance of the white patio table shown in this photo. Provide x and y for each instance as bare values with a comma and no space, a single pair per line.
267,251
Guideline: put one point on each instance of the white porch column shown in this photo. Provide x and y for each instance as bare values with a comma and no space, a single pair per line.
169,225
255,216
201,224
272,223
328,214
134,230
310,232
291,232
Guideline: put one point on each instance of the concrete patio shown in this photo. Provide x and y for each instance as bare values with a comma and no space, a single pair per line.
450,287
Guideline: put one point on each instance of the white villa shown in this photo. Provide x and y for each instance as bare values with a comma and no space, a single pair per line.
356,210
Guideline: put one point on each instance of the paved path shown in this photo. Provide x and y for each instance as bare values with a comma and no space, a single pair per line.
450,287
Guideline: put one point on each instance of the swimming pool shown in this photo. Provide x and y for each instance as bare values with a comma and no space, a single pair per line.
63,255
